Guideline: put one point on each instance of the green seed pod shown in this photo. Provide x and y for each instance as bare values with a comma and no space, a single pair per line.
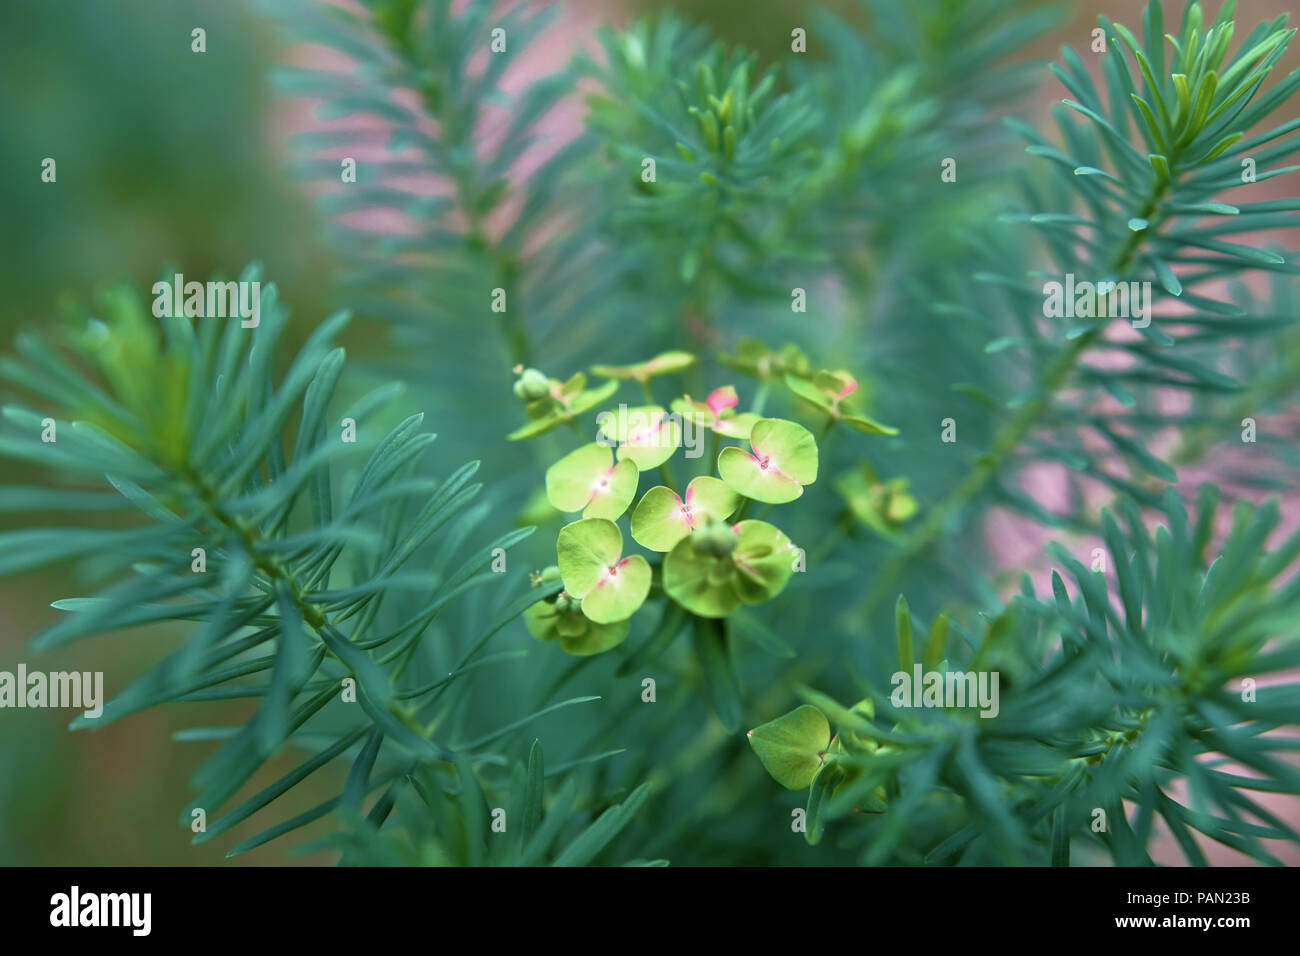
714,537
721,574
722,542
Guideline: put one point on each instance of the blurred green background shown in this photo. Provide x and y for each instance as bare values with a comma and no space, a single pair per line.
170,158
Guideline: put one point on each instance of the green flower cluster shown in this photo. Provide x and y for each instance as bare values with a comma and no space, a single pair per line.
704,553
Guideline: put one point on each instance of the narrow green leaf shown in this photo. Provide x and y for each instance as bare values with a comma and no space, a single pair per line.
473,811
903,631
720,681
533,793
604,829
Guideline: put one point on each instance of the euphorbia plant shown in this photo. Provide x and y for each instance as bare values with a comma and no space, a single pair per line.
797,749
705,558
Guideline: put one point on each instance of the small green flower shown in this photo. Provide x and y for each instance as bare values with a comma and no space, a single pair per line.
881,506
588,480
661,519
754,358
559,404
798,751
645,434
711,580
793,747
665,363
784,459
562,619
717,412
608,586
828,391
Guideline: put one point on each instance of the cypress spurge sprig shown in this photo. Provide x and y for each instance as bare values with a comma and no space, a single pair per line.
1143,697
315,574
1138,207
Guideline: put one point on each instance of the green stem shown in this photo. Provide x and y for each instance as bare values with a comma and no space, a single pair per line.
505,266
666,473
665,470
248,537
1009,437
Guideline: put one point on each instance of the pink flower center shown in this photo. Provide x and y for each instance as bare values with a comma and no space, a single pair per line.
601,484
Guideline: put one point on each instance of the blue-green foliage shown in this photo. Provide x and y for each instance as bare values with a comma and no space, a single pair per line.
822,173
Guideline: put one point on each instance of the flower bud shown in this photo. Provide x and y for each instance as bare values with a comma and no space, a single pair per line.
544,576
532,385
714,537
